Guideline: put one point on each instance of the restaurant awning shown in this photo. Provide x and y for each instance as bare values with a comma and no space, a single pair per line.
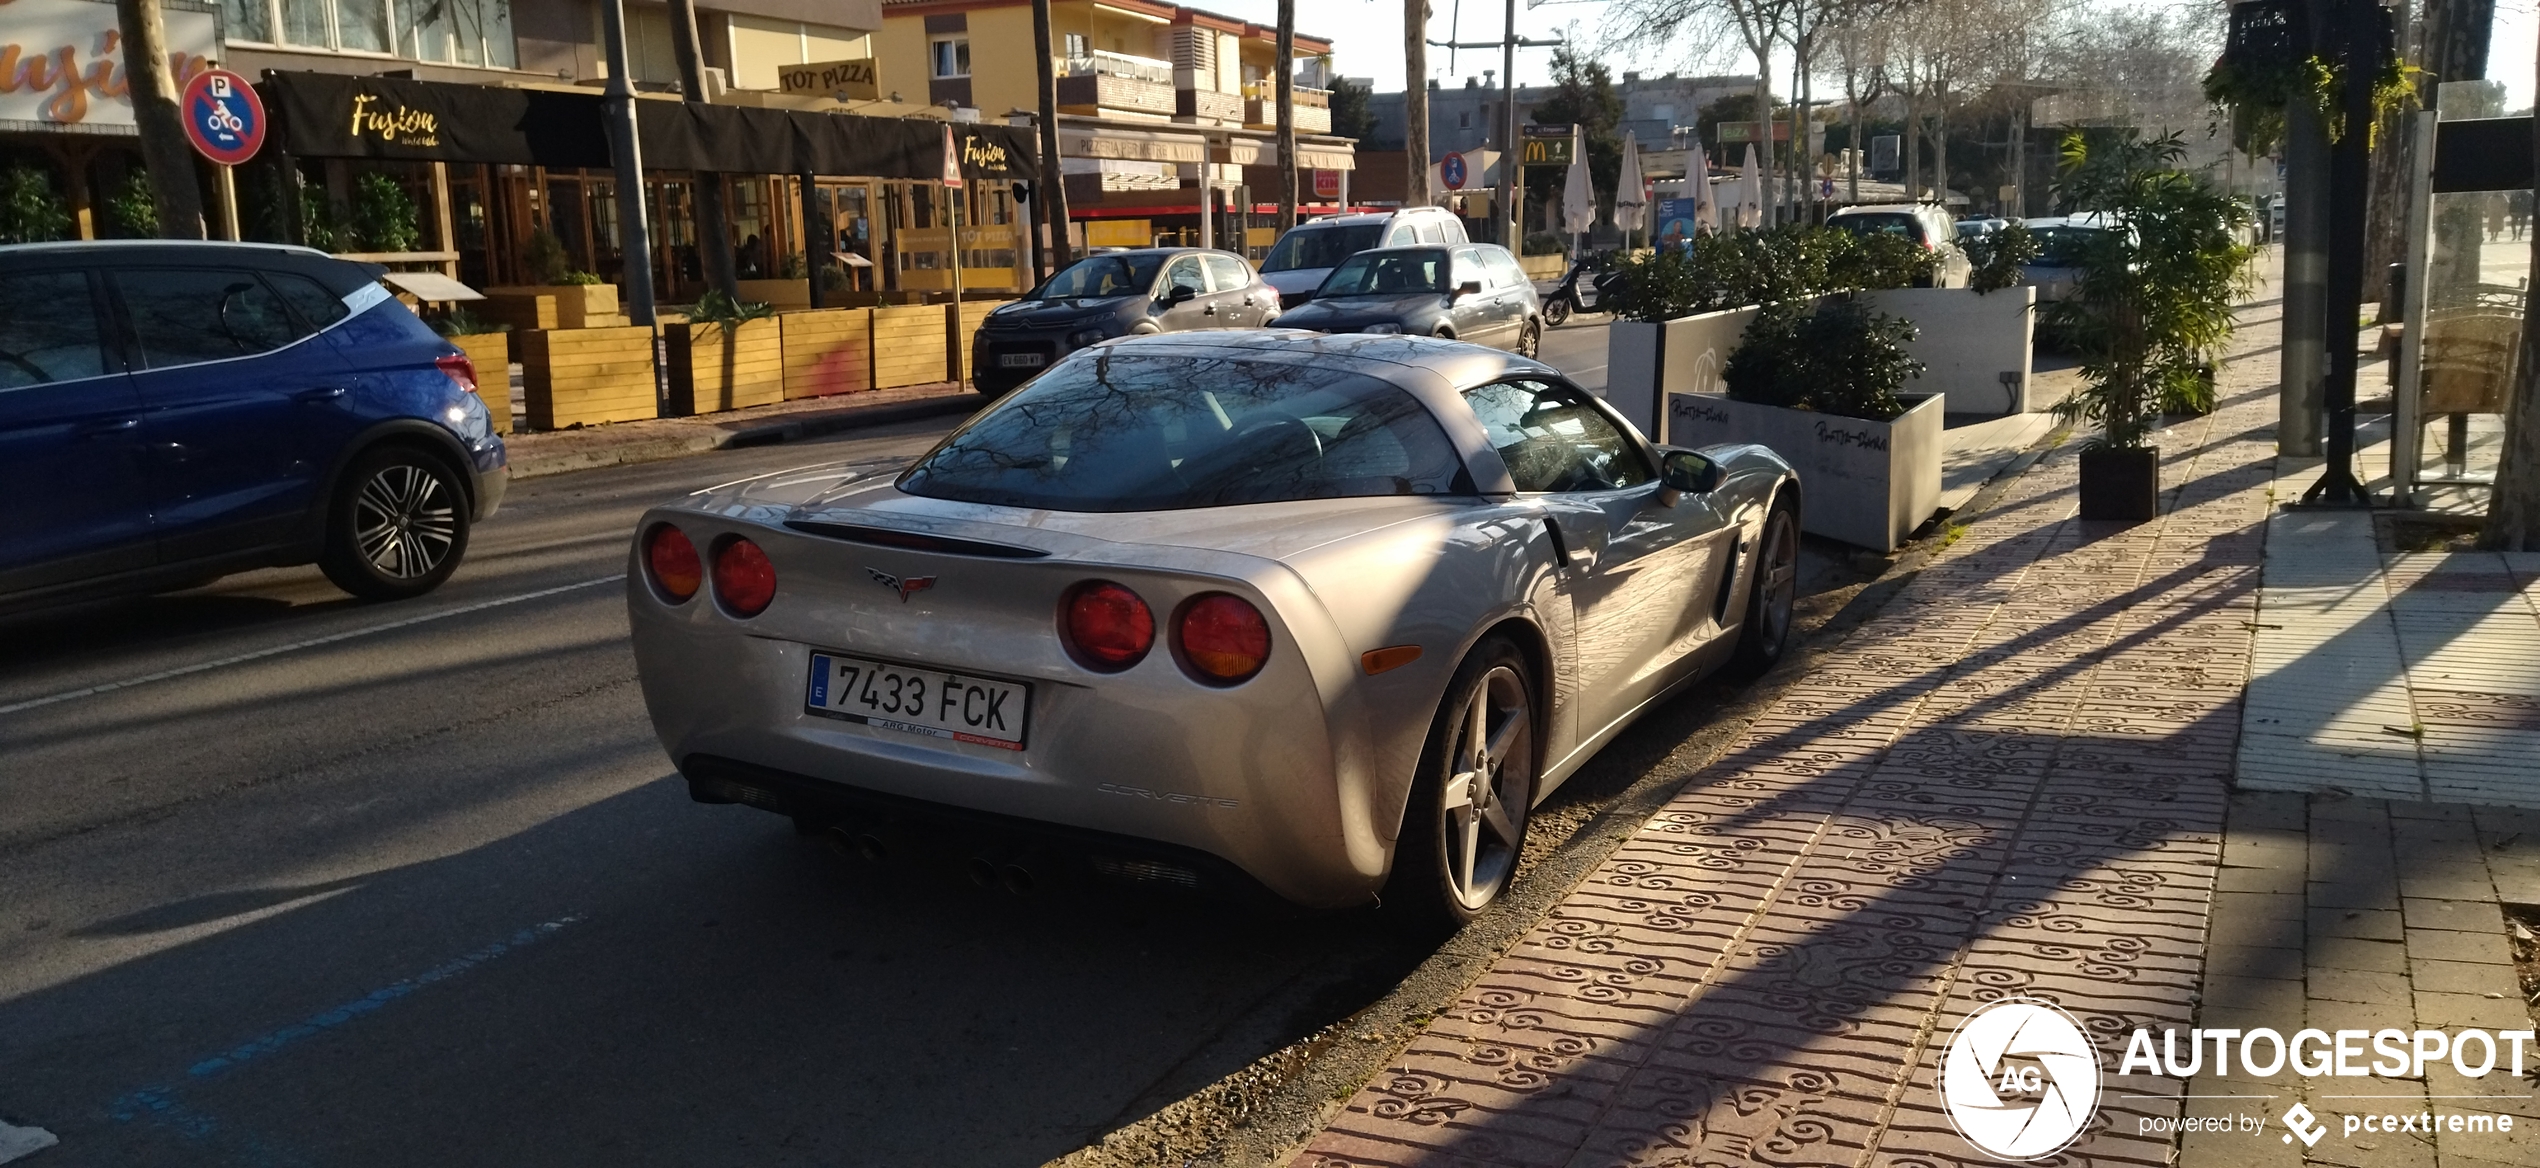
326,115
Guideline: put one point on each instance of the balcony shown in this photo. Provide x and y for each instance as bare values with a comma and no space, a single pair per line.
1104,83
1313,107
1207,106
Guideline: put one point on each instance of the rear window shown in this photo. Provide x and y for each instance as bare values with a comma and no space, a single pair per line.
1167,432
1387,273
185,315
1319,247
2062,246
1881,223
48,329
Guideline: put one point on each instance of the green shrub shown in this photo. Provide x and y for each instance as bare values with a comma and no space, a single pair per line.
581,279
1997,257
459,322
384,215
1734,269
1836,358
30,210
131,209
1544,243
544,258
717,308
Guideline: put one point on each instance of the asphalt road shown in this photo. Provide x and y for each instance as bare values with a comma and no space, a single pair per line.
291,880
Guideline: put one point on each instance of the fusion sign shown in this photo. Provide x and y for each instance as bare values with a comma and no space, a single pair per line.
61,64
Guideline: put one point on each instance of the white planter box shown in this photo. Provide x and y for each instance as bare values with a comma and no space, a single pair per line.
1647,363
1869,484
1968,343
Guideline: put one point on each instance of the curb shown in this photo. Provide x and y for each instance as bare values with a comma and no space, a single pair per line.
726,437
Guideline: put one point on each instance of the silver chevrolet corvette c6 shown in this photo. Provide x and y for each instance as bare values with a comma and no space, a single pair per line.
1325,615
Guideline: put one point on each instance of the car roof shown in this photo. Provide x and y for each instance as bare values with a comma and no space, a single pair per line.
1357,217
338,275
1884,209
191,248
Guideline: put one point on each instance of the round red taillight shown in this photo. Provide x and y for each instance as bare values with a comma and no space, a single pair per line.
1223,639
743,579
673,563
1108,628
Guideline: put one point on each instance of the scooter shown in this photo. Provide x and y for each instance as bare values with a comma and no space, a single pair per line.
1578,291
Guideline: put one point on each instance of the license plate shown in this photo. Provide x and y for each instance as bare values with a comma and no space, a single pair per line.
919,701
1021,360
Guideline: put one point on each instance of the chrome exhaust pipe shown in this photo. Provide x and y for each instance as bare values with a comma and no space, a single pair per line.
848,842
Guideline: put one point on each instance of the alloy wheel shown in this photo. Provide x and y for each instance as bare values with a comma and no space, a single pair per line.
1488,793
405,521
1529,339
1778,590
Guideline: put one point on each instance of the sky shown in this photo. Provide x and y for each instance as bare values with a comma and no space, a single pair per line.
1367,38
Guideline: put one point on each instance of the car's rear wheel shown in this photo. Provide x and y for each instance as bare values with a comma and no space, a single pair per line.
1466,823
1529,339
1556,311
398,525
1772,593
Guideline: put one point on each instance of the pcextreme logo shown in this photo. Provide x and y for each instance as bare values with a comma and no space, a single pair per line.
2020,1079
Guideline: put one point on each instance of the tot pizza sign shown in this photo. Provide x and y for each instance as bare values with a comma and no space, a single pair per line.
222,116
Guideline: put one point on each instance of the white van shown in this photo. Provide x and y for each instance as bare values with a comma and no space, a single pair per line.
1297,263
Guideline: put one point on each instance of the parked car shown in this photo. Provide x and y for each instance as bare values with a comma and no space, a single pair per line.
1969,227
174,412
1924,223
1321,615
1127,293
2059,241
1475,292
1309,251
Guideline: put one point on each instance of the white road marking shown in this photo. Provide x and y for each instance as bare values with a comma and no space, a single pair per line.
296,646
16,1142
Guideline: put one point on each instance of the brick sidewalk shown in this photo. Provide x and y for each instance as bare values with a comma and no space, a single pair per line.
2012,780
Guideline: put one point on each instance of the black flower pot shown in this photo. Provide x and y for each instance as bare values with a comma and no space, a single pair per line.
2121,484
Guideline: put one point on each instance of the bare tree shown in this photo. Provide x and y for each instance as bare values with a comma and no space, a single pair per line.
1759,25
2513,510
1860,45
1415,103
714,230
165,155
1286,54
1051,190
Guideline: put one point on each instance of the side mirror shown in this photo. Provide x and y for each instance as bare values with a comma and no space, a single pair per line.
1181,294
1683,470
1468,288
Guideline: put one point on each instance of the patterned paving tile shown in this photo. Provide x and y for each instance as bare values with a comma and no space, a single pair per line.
2012,780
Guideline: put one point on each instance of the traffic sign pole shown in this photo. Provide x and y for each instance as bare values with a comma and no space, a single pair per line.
226,124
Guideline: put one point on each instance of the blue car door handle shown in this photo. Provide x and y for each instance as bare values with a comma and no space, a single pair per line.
117,426
320,395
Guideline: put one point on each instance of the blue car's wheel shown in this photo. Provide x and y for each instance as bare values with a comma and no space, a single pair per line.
398,526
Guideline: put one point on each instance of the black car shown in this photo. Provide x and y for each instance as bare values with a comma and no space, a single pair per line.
1147,290
1471,292
172,412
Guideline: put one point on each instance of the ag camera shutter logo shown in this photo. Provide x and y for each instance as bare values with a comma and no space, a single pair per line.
2020,1079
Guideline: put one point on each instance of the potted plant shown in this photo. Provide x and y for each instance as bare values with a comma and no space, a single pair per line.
562,296
727,356
2152,302
487,344
1822,384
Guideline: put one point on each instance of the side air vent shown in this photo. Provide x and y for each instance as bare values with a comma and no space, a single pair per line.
916,541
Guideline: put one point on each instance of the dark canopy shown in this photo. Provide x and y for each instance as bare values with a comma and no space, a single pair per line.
327,115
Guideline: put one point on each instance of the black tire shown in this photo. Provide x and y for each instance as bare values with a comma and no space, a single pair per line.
1556,311
1434,880
397,527
1529,339
1772,592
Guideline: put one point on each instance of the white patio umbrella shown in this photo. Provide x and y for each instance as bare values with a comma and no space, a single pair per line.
1631,192
1706,203
1750,192
1578,194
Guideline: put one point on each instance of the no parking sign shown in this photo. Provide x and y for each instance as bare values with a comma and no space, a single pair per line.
222,116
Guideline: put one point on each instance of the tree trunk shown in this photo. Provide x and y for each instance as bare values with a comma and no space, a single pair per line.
2513,511
714,224
1940,151
2385,229
1913,149
1856,148
165,154
1052,190
1286,58
1415,103
1802,142
1764,121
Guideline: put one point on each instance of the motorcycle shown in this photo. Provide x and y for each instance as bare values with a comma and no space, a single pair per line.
1579,289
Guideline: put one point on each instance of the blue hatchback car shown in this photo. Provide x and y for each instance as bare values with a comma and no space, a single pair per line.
173,412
